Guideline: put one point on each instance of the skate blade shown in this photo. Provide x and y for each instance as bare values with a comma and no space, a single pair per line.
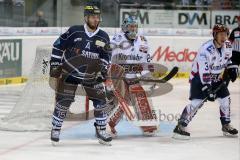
180,137
226,134
104,142
54,143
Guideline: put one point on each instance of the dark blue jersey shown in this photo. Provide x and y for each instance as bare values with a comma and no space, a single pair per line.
80,49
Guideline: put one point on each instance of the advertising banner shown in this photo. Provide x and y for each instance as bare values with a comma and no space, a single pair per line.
228,18
149,18
10,58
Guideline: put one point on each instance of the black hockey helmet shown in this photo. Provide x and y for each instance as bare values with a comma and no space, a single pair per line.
91,10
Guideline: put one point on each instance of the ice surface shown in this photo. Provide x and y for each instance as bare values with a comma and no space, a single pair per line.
78,141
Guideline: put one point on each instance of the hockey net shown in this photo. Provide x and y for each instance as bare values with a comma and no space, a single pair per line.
34,109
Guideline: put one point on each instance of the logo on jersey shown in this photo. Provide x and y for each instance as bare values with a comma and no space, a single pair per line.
210,49
219,67
77,39
100,43
90,55
123,57
88,45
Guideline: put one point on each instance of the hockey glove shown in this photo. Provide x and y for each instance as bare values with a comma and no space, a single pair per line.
233,72
55,68
100,77
208,92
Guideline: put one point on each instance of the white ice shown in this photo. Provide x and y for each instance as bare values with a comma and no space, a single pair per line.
78,142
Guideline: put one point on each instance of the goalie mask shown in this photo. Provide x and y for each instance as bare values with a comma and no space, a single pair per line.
130,28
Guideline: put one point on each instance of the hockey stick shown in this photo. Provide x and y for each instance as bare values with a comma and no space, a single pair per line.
169,76
205,99
213,92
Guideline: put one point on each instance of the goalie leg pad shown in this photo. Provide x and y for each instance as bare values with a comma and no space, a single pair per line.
142,107
115,117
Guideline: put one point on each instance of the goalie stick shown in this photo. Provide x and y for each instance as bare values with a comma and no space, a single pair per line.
169,76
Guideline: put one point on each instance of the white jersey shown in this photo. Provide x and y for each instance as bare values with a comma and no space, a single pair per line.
210,62
128,52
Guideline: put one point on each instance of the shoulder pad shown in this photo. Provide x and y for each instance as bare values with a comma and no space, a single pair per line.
117,37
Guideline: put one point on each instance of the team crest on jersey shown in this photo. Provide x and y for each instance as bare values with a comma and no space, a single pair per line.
210,49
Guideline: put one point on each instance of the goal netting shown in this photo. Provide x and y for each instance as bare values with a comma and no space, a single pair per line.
34,109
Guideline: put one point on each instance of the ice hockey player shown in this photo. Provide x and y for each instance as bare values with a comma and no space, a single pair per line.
235,39
79,56
130,49
212,58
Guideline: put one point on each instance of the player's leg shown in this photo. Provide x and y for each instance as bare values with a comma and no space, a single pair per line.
196,97
224,100
186,117
65,93
97,94
101,121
